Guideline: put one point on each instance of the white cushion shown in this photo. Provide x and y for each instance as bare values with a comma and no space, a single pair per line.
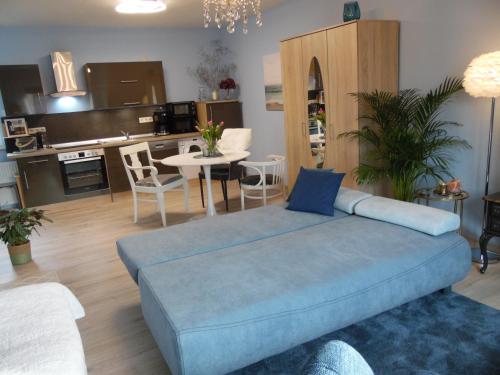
348,198
38,332
235,140
420,218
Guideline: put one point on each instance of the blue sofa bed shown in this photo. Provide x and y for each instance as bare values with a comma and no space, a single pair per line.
222,293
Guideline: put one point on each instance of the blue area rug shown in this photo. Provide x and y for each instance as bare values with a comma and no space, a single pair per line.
437,334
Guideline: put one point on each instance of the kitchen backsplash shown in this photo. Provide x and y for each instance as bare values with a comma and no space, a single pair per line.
97,124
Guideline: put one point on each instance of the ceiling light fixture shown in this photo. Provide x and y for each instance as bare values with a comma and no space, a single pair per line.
140,6
230,11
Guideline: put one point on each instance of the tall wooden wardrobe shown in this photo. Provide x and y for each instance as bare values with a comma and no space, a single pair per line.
320,70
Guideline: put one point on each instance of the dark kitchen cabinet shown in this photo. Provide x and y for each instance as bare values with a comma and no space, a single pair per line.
41,180
160,150
125,84
117,176
21,90
228,111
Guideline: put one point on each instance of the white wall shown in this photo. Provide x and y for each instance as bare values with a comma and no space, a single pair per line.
438,38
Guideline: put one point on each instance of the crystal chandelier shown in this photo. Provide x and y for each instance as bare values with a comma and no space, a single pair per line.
230,11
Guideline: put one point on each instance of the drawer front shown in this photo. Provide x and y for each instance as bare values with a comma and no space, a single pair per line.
494,224
495,210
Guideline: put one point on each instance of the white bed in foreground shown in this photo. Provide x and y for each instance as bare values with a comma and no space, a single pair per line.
38,332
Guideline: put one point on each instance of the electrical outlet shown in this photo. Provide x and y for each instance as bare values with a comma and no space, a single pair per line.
40,129
145,120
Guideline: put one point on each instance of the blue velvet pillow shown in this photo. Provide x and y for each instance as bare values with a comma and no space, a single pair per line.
315,191
329,170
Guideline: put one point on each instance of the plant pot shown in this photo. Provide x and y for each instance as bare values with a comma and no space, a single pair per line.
20,254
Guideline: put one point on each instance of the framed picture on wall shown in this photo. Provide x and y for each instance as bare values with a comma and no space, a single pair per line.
272,82
15,127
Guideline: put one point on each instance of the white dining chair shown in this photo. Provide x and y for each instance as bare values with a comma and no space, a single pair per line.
237,139
266,183
155,183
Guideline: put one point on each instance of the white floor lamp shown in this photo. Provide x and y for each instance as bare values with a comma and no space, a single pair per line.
482,80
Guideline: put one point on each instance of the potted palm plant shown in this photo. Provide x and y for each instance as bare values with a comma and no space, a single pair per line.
16,227
406,139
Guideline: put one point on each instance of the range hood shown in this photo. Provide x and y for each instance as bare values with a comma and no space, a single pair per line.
64,74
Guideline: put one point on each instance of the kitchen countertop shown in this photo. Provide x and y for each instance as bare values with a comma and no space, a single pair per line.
104,144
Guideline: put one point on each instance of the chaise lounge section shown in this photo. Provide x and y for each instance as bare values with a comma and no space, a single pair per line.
217,304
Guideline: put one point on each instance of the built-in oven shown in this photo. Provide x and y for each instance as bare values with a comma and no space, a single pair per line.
83,171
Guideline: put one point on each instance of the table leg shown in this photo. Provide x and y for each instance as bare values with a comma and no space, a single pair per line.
461,216
210,201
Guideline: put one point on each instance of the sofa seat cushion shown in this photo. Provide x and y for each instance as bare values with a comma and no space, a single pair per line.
223,310
163,179
216,233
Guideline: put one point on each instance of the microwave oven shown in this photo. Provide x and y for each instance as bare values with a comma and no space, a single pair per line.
181,117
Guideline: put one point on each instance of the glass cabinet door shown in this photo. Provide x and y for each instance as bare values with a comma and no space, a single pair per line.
316,113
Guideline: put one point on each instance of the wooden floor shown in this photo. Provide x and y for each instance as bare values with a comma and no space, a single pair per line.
78,250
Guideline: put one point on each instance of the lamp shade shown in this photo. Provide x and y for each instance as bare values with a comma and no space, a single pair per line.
482,76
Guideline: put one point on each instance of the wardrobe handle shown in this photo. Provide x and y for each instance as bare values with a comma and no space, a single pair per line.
129,81
26,181
131,103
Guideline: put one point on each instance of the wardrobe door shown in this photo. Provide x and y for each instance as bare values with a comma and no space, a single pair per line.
295,109
342,108
315,75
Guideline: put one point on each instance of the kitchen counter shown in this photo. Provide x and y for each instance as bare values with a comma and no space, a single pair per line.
102,144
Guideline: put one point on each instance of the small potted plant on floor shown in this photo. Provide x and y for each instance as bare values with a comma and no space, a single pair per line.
16,227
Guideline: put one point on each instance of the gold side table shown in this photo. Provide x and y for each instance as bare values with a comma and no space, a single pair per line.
428,195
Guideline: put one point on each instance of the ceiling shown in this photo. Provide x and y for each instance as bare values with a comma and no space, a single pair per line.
101,13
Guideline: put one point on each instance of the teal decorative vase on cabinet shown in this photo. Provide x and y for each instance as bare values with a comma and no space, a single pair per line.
351,11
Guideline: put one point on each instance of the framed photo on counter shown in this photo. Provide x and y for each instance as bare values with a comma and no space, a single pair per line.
15,127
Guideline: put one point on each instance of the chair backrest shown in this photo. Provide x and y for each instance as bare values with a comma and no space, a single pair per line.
275,165
132,152
239,139
277,169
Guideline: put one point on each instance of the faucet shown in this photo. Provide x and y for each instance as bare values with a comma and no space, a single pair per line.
126,134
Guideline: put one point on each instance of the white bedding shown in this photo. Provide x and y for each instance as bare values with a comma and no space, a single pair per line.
38,332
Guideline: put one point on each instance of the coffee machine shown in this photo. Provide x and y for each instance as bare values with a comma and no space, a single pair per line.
161,123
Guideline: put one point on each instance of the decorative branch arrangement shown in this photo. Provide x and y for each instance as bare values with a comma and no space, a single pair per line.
214,66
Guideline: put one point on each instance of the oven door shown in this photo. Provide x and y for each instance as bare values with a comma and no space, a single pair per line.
84,175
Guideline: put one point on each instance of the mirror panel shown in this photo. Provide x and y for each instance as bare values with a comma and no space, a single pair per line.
316,114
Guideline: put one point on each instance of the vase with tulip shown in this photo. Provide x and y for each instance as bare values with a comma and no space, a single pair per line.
211,133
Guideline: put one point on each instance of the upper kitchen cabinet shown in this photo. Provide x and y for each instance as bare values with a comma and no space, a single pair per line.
125,84
228,111
21,90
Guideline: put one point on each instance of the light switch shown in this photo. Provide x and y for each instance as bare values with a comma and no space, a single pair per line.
145,120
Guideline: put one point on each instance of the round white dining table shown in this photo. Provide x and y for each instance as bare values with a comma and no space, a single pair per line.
192,159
